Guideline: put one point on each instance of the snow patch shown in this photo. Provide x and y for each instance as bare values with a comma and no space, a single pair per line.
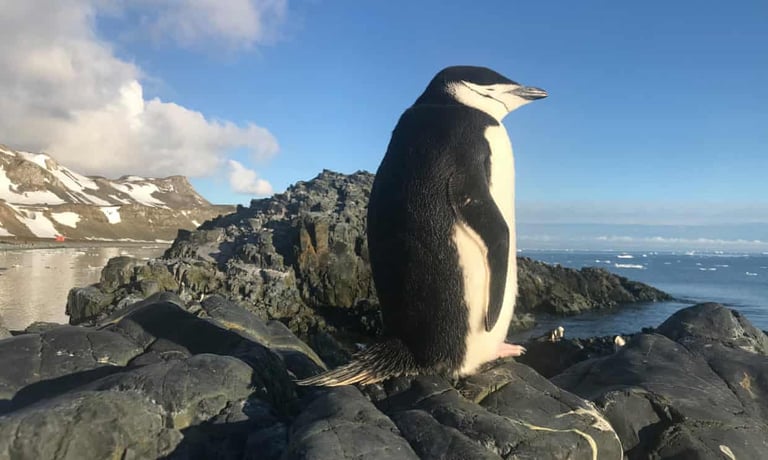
112,213
70,219
8,193
37,223
37,158
94,199
141,193
72,180
3,231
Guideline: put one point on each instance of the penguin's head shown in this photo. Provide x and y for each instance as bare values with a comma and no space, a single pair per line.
480,88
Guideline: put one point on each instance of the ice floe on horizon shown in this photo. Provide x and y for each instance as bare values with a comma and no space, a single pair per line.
633,266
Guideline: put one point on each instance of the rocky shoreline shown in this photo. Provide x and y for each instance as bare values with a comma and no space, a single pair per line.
301,257
163,379
194,356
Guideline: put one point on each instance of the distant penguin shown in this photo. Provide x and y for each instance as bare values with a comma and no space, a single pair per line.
557,334
441,233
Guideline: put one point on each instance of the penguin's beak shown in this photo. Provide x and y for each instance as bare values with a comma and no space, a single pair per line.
529,92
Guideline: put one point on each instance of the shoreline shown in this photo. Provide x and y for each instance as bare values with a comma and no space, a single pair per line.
15,245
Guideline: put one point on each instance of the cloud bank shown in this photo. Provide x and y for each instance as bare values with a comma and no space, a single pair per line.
246,181
65,92
199,23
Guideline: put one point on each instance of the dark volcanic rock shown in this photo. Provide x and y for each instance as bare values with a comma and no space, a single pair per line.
341,423
156,380
560,290
698,391
88,425
508,411
39,365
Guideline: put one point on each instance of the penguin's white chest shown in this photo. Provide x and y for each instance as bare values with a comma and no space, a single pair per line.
482,345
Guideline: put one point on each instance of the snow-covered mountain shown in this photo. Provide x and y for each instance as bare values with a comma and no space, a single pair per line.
39,198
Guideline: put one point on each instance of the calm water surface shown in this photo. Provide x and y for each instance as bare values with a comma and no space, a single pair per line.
739,281
34,283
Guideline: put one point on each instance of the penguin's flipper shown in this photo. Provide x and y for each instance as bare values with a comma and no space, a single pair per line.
472,202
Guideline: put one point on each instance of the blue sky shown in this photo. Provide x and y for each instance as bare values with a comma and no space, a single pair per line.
655,106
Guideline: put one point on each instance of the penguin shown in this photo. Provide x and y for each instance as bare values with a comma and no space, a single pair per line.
557,334
441,233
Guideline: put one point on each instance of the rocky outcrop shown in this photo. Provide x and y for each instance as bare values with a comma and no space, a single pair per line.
44,199
694,388
560,290
301,257
159,380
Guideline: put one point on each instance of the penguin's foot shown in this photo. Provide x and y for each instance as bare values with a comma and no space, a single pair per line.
506,350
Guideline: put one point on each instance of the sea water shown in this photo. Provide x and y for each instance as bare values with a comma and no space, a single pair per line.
34,283
738,281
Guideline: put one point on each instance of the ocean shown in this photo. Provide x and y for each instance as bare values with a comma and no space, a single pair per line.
739,281
34,283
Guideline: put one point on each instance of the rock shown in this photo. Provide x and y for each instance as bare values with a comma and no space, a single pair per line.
550,358
697,391
507,411
341,423
38,327
711,323
88,425
36,366
272,334
190,391
86,303
207,387
556,289
522,322
118,272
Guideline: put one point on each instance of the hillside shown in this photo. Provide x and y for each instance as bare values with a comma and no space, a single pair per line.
40,199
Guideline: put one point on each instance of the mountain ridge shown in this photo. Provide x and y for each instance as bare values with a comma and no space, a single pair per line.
42,199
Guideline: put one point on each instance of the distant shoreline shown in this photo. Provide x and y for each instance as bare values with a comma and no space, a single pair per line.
9,244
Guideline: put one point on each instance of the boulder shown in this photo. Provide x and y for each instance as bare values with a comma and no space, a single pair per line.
694,389
507,411
341,423
36,366
87,303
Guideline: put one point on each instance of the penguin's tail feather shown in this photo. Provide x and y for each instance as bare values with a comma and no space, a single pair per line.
378,362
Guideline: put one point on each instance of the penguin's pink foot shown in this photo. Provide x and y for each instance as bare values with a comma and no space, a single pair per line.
507,349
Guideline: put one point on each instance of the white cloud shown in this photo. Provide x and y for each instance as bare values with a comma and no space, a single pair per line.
233,23
246,181
65,92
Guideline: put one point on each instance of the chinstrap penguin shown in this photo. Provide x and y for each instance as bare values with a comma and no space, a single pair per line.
441,232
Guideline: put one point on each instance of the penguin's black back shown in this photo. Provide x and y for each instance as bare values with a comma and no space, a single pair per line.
411,221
